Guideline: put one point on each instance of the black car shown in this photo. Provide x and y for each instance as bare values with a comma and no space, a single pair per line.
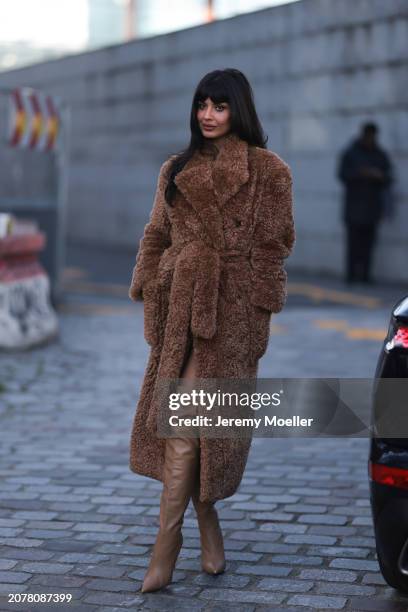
388,458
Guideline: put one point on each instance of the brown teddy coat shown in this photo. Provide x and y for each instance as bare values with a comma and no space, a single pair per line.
211,267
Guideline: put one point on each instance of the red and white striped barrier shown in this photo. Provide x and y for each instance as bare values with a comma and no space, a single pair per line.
34,121
26,315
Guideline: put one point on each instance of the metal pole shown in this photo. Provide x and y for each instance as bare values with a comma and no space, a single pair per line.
62,161
130,13
210,11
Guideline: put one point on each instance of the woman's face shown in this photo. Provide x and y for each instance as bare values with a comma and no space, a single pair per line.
214,119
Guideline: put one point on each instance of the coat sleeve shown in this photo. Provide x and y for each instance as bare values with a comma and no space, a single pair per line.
274,238
156,238
348,168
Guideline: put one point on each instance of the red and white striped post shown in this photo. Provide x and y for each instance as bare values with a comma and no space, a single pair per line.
26,315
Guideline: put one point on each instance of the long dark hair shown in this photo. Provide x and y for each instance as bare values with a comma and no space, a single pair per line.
229,85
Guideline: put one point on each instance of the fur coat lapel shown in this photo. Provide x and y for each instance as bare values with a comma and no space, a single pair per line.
209,183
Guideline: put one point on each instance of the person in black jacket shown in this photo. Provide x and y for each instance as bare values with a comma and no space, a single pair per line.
365,169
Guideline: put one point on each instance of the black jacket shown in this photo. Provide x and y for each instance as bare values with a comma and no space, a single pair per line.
364,196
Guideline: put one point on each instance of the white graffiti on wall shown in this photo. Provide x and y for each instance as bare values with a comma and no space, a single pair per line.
26,315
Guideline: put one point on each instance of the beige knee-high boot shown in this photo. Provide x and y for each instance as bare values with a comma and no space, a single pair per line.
212,543
179,478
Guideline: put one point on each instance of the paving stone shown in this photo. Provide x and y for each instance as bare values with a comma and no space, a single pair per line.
253,506
178,588
305,508
71,545
23,542
287,586
9,532
309,491
263,570
328,574
58,580
319,601
372,578
6,564
37,567
356,564
337,588
332,530
35,516
358,541
254,536
234,607
46,534
76,517
87,527
376,604
156,601
104,584
285,608
14,577
107,598
122,549
64,507
272,516
242,596
127,510
49,525
30,554
297,559
283,527
276,499
271,547
83,558
322,519
336,551
228,581
101,537
307,538
138,561
6,522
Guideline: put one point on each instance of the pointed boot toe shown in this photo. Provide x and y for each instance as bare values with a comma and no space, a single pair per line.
161,568
212,568
154,581
212,554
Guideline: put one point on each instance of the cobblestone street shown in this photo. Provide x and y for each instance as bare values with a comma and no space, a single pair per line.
74,519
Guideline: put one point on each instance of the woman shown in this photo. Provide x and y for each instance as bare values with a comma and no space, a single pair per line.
210,271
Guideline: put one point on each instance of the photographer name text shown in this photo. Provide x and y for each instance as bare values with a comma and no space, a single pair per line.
268,421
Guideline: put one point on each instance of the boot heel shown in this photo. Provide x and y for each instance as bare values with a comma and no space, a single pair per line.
212,542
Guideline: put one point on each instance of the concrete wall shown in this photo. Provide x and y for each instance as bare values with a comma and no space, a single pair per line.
318,70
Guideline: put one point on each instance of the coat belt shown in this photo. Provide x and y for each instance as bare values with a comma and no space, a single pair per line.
195,285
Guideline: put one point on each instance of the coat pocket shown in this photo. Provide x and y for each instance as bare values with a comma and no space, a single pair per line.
259,325
151,312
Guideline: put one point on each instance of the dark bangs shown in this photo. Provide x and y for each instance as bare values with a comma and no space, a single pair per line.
214,89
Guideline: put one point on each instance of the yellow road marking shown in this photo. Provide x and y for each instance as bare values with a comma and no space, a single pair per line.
332,324
90,288
70,272
361,333
95,309
318,294
353,333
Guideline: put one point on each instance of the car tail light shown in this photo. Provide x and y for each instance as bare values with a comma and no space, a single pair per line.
386,475
399,340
